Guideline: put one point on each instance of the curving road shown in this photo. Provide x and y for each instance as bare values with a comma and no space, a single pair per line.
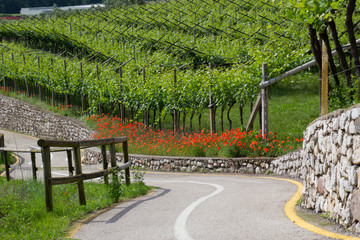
204,206
186,206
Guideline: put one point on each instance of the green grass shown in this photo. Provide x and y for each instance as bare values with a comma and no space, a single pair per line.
23,214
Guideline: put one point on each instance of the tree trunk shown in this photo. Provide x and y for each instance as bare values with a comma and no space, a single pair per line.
241,114
184,121
228,115
340,53
324,36
199,122
222,118
154,116
191,118
316,49
67,100
350,30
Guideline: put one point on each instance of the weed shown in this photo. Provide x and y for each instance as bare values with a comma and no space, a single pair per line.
299,201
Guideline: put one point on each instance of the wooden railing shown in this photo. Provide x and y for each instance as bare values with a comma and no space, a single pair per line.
79,177
48,146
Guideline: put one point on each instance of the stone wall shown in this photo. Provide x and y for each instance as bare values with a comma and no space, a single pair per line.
289,165
190,164
22,117
331,161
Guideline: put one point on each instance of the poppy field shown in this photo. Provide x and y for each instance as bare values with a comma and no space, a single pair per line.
230,143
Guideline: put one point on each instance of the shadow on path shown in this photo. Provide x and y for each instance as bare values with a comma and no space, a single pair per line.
117,216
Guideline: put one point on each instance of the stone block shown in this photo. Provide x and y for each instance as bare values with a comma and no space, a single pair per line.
343,121
352,129
356,156
321,186
355,113
355,205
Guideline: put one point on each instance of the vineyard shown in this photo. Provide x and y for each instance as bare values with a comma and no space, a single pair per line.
172,57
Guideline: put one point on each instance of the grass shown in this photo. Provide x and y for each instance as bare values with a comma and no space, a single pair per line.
23,214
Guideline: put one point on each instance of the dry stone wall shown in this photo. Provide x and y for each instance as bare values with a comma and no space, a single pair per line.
330,165
190,164
22,117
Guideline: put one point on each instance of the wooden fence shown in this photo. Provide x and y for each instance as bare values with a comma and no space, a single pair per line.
48,146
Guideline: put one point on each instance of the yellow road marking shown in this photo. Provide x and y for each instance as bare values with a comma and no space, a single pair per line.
290,212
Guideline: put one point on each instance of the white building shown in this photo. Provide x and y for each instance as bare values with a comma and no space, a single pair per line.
48,10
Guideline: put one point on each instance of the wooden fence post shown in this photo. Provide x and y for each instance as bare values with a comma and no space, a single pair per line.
324,106
78,171
33,164
45,151
5,157
126,159
105,163
113,159
70,166
264,103
112,155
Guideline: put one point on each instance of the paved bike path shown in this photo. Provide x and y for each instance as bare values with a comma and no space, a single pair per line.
243,208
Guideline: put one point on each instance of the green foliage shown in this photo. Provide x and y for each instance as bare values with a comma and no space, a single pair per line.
314,12
236,46
116,186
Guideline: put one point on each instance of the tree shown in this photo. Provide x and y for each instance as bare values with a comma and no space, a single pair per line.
320,15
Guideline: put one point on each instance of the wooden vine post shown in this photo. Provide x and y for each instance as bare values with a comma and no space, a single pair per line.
264,103
146,112
101,110
83,104
324,108
175,111
2,61
67,96
121,105
26,82
40,88
52,90
211,106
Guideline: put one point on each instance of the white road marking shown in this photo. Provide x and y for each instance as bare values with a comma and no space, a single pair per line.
180,230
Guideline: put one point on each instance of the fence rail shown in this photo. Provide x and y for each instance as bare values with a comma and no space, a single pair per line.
72,148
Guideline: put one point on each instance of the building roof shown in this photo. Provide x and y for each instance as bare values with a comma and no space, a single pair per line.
48,10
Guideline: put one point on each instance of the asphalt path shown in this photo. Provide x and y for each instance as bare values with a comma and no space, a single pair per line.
204,206
184,206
